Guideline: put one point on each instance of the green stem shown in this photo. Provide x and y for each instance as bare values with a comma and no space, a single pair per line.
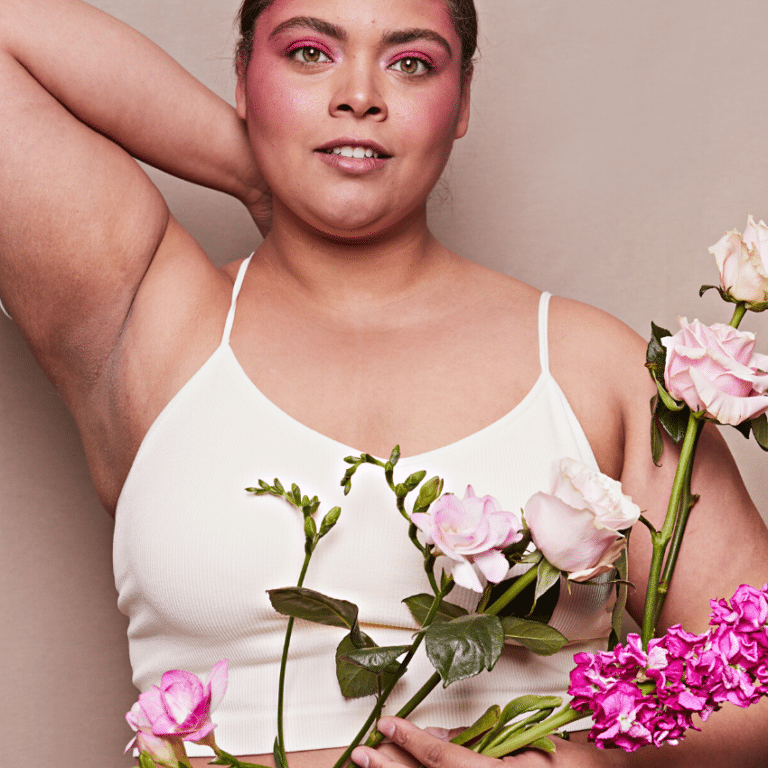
283,664
375,738
661,539
738,314
233,761
545,728
521,582
687,502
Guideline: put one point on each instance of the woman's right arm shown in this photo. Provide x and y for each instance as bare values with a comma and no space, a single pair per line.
81,222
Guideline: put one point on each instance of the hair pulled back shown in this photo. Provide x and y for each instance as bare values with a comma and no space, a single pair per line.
462,12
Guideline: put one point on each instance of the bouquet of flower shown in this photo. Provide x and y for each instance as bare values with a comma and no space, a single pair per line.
643,691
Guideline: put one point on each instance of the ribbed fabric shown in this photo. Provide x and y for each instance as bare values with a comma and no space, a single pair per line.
194,555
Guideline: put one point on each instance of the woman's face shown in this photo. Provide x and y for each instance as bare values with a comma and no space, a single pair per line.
379,80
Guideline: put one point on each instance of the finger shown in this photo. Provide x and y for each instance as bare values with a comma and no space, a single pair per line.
432,752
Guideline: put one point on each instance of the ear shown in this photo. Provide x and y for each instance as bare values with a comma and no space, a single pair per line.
463,122
242,72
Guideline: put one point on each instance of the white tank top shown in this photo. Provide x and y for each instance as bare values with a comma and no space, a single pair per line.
194,554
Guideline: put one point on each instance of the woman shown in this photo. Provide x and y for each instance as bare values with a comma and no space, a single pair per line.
123,310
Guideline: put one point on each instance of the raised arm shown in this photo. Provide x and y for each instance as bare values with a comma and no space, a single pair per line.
81,222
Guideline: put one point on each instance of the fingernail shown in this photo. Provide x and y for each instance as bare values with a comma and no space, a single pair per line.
387,727
360,758
439,733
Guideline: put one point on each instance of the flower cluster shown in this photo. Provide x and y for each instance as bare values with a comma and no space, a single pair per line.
643,697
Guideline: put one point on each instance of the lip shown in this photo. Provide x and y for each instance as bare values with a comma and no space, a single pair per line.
353,165
347,141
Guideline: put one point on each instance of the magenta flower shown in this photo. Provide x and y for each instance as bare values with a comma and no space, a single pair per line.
642,698
181,705
167,751
471,532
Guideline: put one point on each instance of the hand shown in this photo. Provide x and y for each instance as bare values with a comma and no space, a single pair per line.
434,752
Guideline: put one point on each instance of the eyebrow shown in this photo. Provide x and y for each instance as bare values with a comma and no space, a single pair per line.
396,37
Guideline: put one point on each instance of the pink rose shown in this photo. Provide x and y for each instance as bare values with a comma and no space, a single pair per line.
471,532
743,263
714,369
576,527
181,705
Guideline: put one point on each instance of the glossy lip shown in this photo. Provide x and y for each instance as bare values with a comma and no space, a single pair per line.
353,165
349,142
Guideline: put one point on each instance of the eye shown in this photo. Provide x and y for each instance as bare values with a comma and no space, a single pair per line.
411,65
308,54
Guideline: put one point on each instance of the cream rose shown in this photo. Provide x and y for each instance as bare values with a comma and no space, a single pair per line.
577,526
743,263
715,369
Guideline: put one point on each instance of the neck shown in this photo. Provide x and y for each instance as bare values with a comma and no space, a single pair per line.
349,274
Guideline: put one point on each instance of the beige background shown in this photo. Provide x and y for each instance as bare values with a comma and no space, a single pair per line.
612,142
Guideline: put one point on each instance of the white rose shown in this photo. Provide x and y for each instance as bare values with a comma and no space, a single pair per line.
577,526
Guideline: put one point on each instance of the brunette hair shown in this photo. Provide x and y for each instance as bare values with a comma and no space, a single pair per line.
462,12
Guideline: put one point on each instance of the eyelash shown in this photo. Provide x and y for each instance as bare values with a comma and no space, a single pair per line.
426,66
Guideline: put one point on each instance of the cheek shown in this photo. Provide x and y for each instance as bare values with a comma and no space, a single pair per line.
277,111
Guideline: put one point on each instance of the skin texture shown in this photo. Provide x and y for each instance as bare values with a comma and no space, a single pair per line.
121,306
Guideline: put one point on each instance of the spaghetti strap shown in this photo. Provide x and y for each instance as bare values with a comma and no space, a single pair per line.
544,331
235,292
5,311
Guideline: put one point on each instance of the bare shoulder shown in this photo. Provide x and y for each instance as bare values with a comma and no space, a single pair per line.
599,363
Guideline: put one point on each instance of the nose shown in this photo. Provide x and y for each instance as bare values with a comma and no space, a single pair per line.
358,92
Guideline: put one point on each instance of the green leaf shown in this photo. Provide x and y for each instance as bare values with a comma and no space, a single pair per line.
483,723
355,681
310,527
419,606
525,605
375,659
544,744
760,431
394,457
675,423
656,353
534,635
279,486
465,646
657,443
281,760
669,402
546,578
145,761
303,603
529,703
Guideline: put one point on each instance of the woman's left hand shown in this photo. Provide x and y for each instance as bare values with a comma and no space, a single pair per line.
433,752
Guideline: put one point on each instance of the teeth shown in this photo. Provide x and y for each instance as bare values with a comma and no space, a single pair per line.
358,152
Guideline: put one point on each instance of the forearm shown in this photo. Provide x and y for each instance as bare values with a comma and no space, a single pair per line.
125,87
